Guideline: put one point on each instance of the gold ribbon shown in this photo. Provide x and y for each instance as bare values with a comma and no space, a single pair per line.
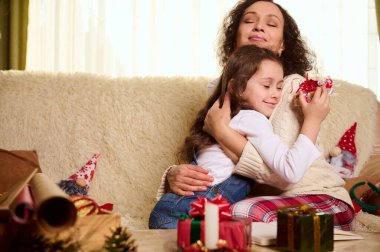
290,232
317,233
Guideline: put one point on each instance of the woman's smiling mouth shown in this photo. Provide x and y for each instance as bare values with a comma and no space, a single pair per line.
256,38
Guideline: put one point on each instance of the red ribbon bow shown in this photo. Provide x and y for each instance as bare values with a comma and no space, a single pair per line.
198,207
310,85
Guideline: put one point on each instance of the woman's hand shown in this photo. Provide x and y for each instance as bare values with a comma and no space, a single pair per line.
185,179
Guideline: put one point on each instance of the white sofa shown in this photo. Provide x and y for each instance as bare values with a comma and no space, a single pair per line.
135,123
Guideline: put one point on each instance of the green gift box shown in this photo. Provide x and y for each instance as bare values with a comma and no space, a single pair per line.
300,228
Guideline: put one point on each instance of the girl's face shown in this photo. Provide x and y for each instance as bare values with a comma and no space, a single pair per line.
262,25
264,88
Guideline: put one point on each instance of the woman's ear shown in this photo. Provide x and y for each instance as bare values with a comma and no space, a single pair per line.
282,48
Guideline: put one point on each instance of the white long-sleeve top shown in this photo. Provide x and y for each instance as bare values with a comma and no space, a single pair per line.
290,163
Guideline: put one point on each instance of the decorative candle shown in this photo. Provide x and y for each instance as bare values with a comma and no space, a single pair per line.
211,225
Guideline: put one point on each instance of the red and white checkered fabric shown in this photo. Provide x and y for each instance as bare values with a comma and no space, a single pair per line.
263,209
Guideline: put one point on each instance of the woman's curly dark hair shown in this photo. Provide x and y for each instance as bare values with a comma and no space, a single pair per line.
296,57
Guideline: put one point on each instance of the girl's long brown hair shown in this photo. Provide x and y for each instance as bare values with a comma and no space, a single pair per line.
239,69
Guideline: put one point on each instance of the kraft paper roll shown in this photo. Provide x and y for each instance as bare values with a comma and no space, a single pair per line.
54,209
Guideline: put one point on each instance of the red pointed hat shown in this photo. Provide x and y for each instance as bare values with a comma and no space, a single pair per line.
347,142
87,171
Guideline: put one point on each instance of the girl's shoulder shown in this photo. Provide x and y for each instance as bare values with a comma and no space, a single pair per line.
250,122
250,114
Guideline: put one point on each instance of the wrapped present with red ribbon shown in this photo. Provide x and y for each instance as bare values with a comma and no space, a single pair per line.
234,233
301,228
309,86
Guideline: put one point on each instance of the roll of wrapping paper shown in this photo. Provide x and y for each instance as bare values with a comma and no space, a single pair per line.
7,199
54,209
22,209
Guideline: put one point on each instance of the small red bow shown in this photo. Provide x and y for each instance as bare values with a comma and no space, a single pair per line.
198,207
310,85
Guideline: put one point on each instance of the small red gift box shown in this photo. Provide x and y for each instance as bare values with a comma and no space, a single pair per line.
235,233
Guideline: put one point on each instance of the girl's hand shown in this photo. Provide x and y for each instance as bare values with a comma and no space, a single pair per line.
217,125
218,119
185,179
319,107
314,112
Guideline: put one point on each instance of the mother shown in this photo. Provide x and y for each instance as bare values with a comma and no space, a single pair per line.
265,24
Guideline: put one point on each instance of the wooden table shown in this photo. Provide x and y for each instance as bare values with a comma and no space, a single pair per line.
166,241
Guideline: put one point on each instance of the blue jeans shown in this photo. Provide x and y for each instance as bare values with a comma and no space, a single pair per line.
167,210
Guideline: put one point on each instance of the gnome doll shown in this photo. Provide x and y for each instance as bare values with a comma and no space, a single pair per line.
79,182
343,156
78,185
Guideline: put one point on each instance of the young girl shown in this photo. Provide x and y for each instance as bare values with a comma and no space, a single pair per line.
253,79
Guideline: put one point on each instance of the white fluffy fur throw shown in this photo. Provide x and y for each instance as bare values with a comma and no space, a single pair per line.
136,124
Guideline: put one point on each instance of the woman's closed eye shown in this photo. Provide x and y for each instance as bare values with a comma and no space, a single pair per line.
249,20
272,21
